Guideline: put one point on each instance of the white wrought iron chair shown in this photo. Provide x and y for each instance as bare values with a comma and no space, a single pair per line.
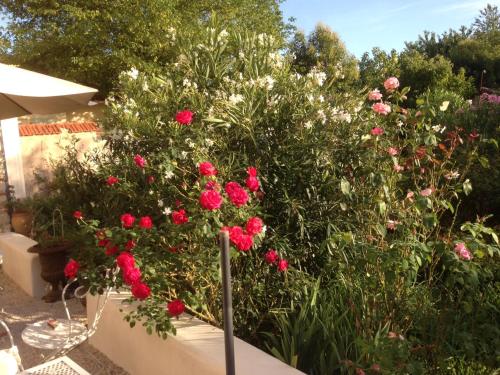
56,363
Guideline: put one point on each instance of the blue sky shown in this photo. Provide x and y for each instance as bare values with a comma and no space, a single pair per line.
364,24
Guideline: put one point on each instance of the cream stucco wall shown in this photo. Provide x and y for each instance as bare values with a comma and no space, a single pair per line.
39,152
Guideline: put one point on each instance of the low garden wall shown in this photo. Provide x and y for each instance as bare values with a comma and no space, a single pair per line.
198,348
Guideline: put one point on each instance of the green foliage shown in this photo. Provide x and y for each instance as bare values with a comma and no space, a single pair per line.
417,71
475,49
324,50
373,215
91,42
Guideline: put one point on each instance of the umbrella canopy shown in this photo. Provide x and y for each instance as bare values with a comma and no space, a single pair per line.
23,92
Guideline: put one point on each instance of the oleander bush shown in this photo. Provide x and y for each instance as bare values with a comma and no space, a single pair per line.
349,254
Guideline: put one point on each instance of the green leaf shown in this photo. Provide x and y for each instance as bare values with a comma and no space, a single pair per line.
430,220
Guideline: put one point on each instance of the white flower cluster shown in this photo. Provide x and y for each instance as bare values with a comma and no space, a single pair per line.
317,76
266,82
188,84
235,99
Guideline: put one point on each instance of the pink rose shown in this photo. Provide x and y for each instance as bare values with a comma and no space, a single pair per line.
391,224
210,200
254,226
176,307
71,269
398,168
374,95
111,180
462,251
141,291
282,265
127,220
393,151
179,217
139,161
381,108
426,192
391,83
271,256
184,117
207,169
377,131
131,275
125,260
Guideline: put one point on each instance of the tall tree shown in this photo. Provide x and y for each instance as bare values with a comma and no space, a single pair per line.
324,49
488,20
92,41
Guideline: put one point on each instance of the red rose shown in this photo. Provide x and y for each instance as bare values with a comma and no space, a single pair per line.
271,256
252,183
103,243
78,215
254,226
130,245
127,220
234,233
140,291
210,200
179,217
184,117
252,171
151,179
139,161
212,185
282,265
176,307
125,260
131,275
112,180
207,169
245,242
236,193
71,269
145,222
111,249
178,203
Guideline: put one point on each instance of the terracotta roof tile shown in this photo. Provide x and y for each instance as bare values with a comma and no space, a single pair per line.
27,130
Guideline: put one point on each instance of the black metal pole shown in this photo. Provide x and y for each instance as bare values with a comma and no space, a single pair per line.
227,302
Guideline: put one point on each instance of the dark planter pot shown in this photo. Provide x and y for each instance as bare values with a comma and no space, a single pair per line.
53,259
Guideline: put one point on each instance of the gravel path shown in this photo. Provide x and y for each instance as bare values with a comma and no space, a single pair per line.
18,309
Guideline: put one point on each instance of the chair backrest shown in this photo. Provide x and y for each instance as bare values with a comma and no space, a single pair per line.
10,361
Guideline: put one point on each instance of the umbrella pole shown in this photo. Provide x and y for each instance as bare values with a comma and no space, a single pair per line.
227,302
